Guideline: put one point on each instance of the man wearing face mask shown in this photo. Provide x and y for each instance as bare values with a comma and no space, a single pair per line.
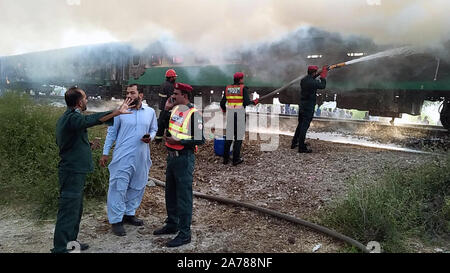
130,162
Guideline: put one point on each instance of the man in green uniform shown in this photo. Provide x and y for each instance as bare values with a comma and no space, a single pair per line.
185,127
75,163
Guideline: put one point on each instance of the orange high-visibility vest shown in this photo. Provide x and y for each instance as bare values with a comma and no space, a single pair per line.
235,96
178,125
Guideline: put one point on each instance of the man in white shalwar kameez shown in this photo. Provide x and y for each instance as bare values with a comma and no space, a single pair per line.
131,161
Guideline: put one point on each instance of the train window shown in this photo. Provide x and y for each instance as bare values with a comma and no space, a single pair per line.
177,60
136,60
156,60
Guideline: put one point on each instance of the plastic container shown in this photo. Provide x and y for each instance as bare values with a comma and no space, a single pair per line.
219,146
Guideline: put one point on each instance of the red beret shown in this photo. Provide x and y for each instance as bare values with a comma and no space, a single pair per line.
238,75
313,68
183,87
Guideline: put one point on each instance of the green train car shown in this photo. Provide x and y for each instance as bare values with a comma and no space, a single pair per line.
384,87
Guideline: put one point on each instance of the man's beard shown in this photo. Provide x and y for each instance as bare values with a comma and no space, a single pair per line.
135,102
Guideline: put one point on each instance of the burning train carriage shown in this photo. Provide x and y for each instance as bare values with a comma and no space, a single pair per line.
96,69
384,87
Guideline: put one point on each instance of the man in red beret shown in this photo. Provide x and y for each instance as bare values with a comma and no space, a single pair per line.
233,102
185,131
309,86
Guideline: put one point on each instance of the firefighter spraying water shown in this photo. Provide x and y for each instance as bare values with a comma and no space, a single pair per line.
407,50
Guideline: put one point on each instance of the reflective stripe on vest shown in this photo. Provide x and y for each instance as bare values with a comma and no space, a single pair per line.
178,125
235,95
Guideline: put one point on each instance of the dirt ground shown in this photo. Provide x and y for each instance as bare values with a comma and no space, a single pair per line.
282,180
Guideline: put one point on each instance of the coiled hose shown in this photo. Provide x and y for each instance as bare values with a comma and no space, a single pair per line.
289,218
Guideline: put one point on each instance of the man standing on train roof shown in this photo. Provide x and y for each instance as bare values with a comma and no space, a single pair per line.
185,132
75,164
165,93
131,161
309,85
233,103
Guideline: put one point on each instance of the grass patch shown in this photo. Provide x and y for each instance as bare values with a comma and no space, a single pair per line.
29,156
400,205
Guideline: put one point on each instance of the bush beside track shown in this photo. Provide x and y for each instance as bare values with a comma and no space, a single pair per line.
29,156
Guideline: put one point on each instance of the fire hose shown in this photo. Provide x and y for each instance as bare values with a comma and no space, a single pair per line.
280,215
286,86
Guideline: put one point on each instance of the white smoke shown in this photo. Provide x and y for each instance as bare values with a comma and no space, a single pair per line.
213,26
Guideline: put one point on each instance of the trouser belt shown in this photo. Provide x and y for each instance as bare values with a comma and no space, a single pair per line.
174,153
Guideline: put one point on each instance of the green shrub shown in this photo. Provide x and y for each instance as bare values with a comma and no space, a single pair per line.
29,155
400,205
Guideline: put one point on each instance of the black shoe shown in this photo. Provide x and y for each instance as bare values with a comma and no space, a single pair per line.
304,150
118,229
178,241
237,162
295,145
83,246
165,230
226,161
132,220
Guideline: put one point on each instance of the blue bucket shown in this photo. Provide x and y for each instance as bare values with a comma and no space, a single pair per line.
219,146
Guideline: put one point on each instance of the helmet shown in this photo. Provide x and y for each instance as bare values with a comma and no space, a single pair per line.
171,73
238,75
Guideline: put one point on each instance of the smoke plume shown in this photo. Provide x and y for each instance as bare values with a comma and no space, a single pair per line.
214,26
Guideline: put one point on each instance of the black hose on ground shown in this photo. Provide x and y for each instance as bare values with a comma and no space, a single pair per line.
289,218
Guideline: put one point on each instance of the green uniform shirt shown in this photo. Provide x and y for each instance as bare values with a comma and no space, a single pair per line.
72,140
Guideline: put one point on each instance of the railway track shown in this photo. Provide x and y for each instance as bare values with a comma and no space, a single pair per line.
288,123
357,122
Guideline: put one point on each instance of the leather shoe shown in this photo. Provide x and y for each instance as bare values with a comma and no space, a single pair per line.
165,230
118,229
237,162
178,241
132,220
304,150
83,246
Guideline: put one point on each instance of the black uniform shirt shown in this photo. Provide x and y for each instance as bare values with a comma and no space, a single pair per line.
166,91
309,86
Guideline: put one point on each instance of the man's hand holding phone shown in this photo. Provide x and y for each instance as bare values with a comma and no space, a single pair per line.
146,138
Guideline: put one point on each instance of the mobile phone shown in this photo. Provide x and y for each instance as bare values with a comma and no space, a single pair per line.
146,136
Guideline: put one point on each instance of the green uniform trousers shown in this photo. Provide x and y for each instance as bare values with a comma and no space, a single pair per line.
70,209
178,192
